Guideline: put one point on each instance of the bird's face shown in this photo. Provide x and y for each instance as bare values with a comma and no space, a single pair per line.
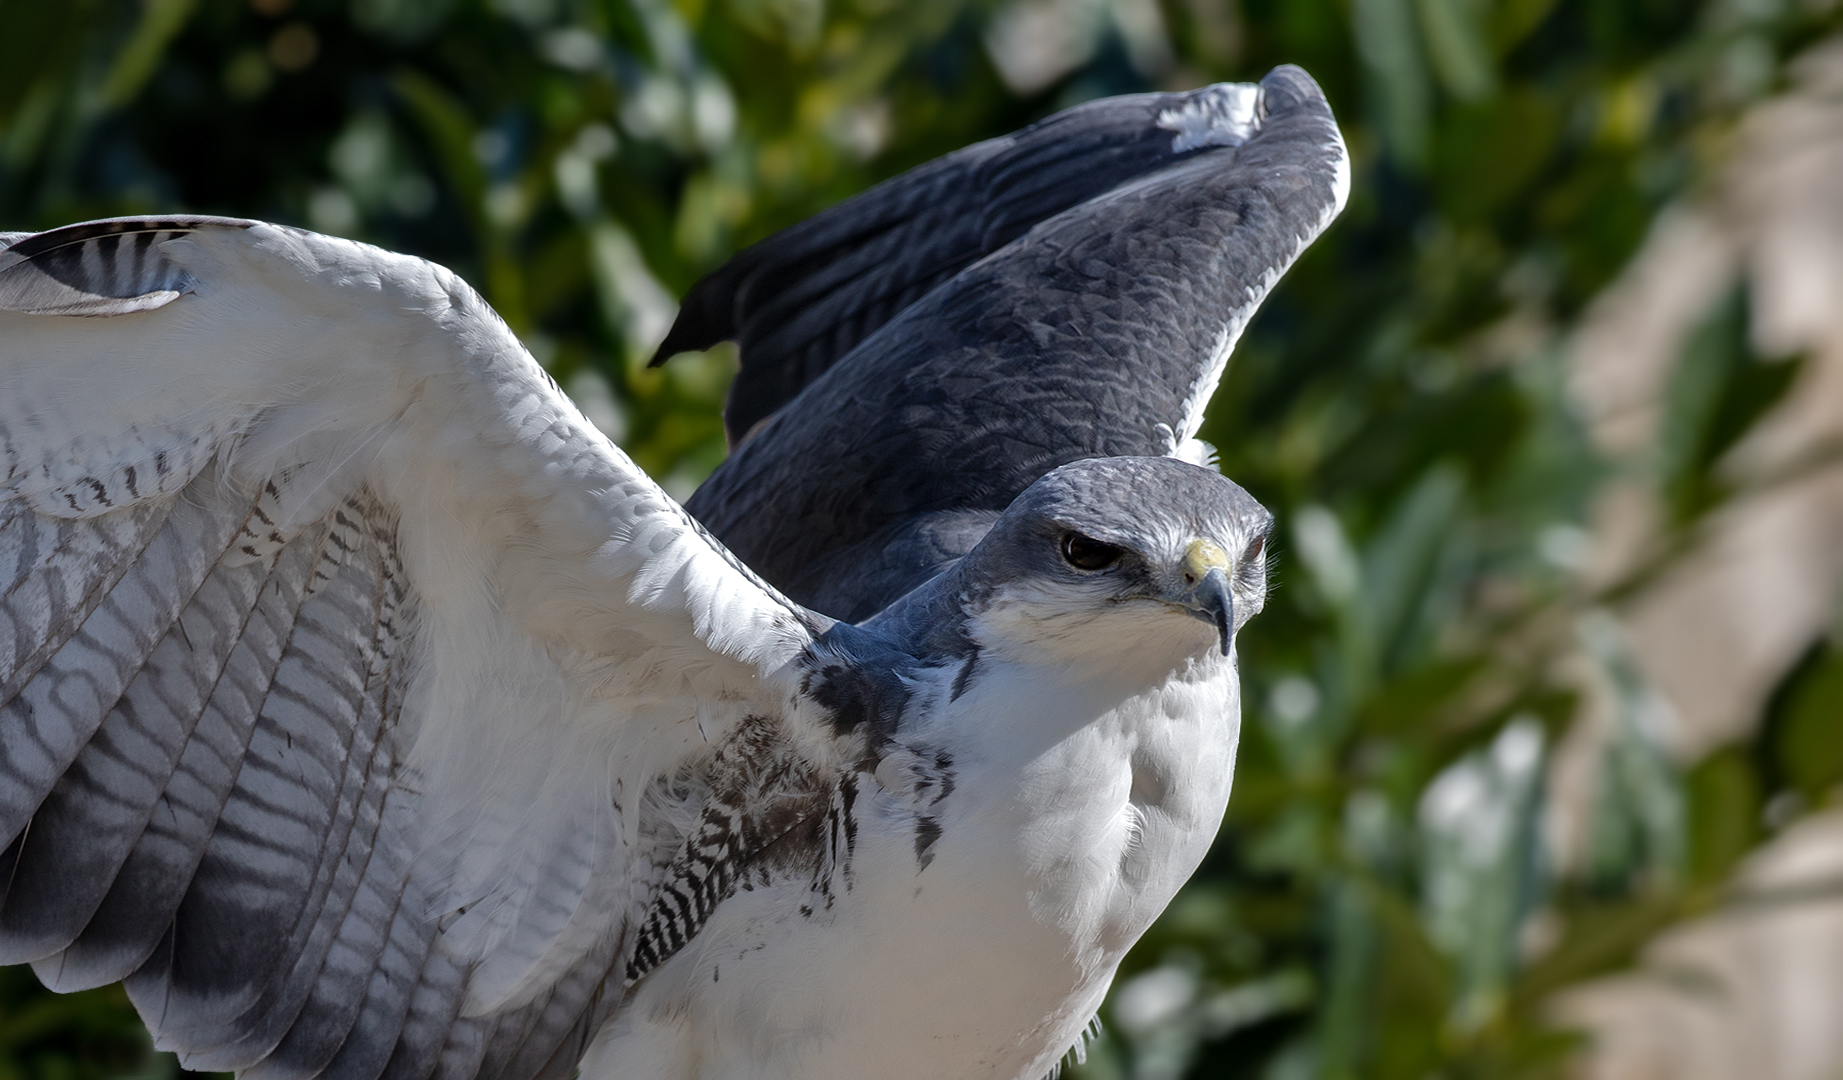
1123,561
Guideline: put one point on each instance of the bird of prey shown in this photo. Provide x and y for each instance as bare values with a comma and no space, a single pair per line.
372,715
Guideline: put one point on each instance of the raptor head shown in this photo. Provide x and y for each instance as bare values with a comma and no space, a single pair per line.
1117,559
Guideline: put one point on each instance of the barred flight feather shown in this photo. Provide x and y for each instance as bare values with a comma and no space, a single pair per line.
84,832
258,873
102,268
140,905
354,803
97,654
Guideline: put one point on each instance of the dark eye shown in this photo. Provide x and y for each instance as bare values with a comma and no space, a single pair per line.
1085,553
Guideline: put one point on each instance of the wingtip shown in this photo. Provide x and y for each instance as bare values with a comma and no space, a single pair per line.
702,318
1290,88
678,341
1291,84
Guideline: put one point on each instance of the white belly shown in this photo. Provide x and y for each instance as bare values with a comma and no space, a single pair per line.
1059,844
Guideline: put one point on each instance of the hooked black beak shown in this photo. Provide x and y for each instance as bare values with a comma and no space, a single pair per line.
1208,597
1212,602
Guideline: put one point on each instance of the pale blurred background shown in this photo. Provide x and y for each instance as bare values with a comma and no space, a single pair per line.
1717,633
1539,775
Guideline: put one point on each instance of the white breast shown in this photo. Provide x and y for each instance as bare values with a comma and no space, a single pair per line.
1077,810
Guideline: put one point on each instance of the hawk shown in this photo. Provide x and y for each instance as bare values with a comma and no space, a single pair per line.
370,714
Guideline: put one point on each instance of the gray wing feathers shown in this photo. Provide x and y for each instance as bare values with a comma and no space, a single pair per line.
147,891
260,872
98,268
525,1042
372,941
206,761
154,881
387,996
239,792
58,571
104,622
86,829
308,823
800,300
564,1024
803,298
430,1021
367,919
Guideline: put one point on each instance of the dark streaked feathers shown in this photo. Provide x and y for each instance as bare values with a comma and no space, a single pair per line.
98,268
218,840
95,817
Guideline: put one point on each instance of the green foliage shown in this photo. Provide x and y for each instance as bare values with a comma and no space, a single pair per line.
1380,903
75,1037
1724,814
1719,393
1800,751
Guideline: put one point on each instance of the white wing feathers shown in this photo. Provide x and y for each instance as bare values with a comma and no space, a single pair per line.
336,652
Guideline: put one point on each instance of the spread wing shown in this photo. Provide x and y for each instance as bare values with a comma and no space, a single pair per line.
337,653
1130,242
803,298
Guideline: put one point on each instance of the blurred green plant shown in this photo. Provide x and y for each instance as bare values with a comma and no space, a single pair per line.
45,1036
1381,902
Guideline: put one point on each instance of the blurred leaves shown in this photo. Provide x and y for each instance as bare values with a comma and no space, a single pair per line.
1725,819
1801,750
1720,391
1385,900
89,1036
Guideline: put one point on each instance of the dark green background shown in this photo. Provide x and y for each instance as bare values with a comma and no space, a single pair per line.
1380,903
